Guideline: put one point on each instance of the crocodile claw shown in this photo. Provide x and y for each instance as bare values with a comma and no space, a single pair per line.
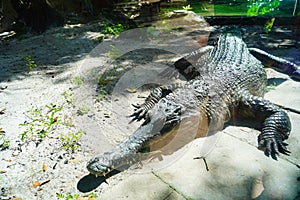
273,146
140,112
137,106
138,115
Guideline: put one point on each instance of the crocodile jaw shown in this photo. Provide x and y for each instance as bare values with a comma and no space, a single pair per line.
98,167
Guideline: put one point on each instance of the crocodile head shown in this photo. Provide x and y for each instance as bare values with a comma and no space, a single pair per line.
117,161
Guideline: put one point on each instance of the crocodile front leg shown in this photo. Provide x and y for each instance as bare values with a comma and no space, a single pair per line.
275,123
155,95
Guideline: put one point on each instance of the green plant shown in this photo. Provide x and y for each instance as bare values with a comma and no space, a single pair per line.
29,62
99,38
70,141
60,196
4,141
269,25
187,8
271,86
114,29
114,53
262,7
102,94
83,110
92,195
103,81
68,121
69,196
39,124
68,95
78,80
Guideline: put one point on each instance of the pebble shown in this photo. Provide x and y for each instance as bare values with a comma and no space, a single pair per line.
15,153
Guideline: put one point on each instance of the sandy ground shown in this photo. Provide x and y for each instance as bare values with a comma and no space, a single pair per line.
42,169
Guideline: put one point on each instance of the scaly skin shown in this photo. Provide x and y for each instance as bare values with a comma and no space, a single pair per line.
224,79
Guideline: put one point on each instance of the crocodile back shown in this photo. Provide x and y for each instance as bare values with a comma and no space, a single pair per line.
230,67
226,72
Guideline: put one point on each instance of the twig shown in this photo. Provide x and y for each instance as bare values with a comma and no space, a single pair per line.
206,166
2,112
3,88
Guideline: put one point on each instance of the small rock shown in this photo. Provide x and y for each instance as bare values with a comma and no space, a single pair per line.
15,153
131,90
257,187
79,175
75,160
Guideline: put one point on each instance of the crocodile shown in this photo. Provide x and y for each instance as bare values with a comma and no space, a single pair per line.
223,82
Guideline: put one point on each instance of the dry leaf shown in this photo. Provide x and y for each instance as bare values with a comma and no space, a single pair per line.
3,171
79,175
36,184
16,199
44,167
75,160
257,187
55,119
131,90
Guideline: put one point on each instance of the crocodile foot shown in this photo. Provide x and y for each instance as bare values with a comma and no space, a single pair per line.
140,112
273,146
276,129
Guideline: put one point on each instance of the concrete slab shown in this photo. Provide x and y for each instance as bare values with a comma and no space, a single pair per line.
237,170
285,92
141,186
